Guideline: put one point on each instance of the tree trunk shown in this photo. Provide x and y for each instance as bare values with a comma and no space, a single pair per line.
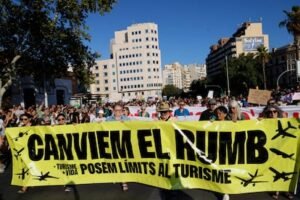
297,45
264,74
4,87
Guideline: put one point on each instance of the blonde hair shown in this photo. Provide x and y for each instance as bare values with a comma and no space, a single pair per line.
235,104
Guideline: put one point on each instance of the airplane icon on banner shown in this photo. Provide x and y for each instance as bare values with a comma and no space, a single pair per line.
21,134
18,153
23,173
246,182
281,175
282,154
283,132
43,177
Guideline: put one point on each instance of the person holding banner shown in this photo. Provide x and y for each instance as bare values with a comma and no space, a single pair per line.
25,120
2,139
274,112
126,112
165,112
143,112
209,114
235,113
181,111
119,116
222,114
61,120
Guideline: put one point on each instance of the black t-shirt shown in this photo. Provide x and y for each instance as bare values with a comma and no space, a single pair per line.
74,117
207,115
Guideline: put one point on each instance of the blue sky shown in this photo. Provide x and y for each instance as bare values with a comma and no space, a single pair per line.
188,28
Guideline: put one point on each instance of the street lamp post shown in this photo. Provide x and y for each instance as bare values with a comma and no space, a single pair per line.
280,75
227,77
45,87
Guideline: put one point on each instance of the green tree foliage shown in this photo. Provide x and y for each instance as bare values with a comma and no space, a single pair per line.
171,91
292,24
244,72
263,57
197,87
46,37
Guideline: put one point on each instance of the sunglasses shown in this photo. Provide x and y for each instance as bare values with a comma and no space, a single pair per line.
24,119
60,119
272,111
163,112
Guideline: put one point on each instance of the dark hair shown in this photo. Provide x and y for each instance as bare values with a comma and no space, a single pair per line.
267,109
126,108
222,109
25,115
117,104
60,115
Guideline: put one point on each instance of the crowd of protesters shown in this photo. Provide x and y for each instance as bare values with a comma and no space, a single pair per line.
224,108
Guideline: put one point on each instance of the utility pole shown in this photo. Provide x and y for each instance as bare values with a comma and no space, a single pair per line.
45,87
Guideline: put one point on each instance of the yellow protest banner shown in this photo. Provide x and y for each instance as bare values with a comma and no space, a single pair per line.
227,157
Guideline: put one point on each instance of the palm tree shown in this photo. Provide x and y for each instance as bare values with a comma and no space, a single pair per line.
263,57
292,24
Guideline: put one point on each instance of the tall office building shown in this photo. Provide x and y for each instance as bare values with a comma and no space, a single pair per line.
245,40
282,67
134,68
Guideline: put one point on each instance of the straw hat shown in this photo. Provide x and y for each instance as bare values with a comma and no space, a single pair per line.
163,107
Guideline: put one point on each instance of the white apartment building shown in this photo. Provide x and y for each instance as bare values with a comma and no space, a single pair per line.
172,75
186,78
197,71
182,76
134,68
105,84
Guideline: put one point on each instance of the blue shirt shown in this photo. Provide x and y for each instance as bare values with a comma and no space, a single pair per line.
185,112
112,118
